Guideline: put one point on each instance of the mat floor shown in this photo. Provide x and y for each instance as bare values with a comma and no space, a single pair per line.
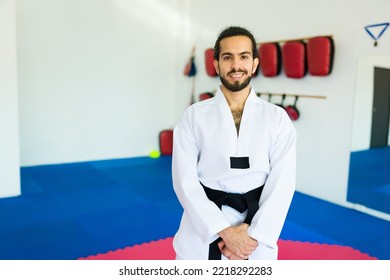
71,211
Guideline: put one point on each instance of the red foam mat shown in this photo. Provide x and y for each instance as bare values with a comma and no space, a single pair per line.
288,250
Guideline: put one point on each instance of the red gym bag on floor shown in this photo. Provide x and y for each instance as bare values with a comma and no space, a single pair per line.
166,142
270,59
320,52
209,60
294,59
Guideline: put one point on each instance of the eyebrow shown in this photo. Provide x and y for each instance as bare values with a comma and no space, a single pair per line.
228,53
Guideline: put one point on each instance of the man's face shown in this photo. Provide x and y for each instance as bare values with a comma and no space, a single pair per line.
236,64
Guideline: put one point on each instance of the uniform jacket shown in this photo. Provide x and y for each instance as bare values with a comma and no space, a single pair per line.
204,140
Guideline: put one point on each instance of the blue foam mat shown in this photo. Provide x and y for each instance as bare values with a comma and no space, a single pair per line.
75,210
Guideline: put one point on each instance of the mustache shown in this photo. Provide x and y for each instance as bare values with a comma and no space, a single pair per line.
237,71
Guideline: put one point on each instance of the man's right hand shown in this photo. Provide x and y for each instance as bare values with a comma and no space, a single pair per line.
236,243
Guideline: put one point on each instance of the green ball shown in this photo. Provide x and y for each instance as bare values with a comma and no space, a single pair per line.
154,154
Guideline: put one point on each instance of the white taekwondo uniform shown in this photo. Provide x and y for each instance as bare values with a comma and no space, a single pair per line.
204,140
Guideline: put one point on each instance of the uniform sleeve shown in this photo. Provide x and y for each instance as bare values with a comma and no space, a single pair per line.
279,188
205,216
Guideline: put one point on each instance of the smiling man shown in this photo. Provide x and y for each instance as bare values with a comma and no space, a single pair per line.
233,163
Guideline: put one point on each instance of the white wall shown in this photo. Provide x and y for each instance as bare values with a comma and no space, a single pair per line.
99,79
96,77
9,139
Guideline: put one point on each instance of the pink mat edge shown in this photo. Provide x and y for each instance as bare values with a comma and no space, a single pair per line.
123,253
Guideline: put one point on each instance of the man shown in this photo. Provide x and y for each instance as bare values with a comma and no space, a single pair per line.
233,163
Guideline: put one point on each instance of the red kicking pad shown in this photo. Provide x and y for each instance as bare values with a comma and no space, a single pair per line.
166,141
320,53
205,95
209,62
270,59
294,59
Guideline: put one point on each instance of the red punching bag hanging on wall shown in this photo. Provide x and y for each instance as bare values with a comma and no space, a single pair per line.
270,59
320,52
294,59
209,61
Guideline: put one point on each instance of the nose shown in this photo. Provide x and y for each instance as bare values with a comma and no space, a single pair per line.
235,65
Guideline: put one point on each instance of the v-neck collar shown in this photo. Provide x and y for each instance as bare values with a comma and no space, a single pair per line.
239,142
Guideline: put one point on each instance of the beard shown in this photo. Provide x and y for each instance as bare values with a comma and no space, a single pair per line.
236,86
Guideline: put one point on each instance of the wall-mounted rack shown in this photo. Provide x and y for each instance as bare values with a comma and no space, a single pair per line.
290,94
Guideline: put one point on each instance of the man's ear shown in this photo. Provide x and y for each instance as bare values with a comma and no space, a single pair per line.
216,66
256,62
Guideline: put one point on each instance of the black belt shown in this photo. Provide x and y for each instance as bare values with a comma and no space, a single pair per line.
240,202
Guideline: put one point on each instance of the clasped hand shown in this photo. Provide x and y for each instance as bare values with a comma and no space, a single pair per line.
236,243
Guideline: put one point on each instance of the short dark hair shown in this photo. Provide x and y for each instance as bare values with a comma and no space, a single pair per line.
231,32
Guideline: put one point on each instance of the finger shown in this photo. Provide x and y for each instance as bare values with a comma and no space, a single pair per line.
221,245
241,254
235,258
238,256
252,242
229,255
247,250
